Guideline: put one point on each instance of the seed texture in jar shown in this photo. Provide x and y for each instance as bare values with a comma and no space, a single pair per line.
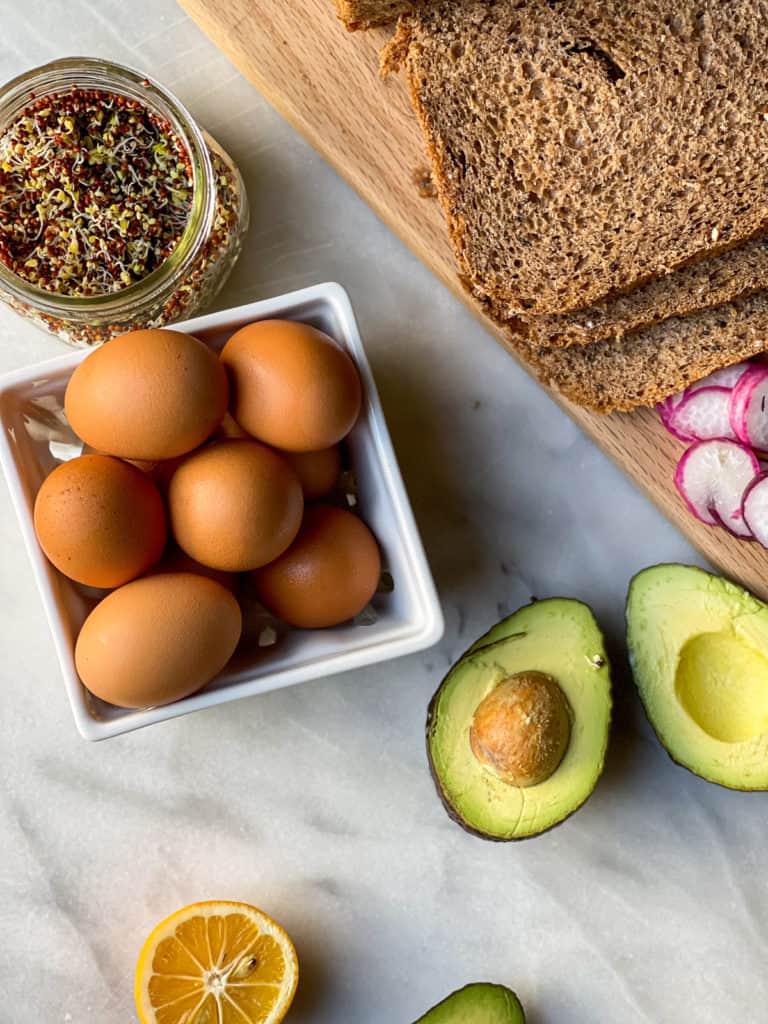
100,521
292,386
327,576
95,192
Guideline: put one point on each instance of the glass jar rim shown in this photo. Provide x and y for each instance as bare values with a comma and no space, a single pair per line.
64,74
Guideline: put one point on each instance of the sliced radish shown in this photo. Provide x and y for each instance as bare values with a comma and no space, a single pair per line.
673,401
702,416
712,477
754,508
667,407
749,407
728,377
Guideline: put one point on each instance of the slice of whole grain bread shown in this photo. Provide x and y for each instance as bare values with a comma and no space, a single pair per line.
367,13
703,285
644,367
581,147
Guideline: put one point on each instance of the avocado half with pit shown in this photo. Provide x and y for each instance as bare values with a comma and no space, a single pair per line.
477,1004
517,731
698,647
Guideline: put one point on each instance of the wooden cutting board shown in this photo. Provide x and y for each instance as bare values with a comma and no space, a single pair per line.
325,82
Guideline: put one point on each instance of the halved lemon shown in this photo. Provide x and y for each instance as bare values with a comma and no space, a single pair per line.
216,963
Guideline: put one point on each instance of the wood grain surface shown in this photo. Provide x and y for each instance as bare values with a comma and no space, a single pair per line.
325,82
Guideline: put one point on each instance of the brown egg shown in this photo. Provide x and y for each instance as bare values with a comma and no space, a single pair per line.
230,428
100,521
176,560
318,472
159,473
148,395
234,505
157,639
292,386
327,576
145,467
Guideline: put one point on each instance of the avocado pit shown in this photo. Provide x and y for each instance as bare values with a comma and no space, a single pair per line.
521,729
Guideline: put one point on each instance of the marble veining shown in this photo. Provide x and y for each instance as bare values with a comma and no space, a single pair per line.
648,906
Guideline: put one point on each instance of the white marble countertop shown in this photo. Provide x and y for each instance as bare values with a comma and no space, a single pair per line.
315,803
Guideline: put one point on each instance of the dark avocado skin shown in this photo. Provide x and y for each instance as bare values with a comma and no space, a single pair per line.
457,818
711,782
449,809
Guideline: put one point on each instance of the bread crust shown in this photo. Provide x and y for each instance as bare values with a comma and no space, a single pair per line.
644,367
364,14
524,205
705,284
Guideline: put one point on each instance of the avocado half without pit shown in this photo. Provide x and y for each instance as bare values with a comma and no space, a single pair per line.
477,1004
698,647
517,731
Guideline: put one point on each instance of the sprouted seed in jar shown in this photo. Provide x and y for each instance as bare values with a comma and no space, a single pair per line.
95,193
117,211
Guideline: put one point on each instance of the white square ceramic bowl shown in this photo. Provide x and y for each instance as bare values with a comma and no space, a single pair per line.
409,618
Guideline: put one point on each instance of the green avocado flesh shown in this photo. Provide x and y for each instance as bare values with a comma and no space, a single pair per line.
698,646
477,1004
558,637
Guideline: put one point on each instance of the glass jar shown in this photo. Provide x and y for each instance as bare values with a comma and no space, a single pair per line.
211,239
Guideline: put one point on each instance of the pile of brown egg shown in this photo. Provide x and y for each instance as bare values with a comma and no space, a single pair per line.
201,471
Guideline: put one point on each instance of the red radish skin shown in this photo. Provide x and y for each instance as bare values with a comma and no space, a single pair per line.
721,478
754,508
749,408
700,511
711,477
667,408
727,377
736,526
703,415
673,401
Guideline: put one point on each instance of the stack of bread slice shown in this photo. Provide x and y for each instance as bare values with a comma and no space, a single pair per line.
603,170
